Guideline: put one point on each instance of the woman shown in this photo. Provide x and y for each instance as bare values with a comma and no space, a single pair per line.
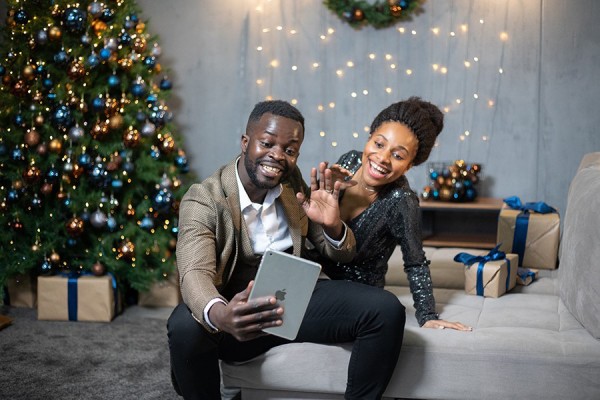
381,208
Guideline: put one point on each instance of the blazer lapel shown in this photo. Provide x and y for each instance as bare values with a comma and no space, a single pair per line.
232,195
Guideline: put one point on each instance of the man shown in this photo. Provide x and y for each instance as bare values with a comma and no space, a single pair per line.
259,201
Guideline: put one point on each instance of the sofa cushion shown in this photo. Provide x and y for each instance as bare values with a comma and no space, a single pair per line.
520,344
579,272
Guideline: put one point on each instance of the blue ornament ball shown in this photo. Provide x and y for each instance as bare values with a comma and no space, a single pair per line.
17,154
162,200
45,268
41,37
114,81
19,119
138,89
166,84
52,175
85,160
62,117
21,16
105,53
147,223
74,19
111,223
93,60
61,57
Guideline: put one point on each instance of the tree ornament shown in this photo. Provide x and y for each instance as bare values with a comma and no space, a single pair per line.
95,9
54,257
99,130
162,200
28,72
74,226
148,129
74,20
55,146
167,143
46,188
76,70
39,119
165,84
115,122
139,44
62,117
98,269
45,268
99,27
146,223
76,133
55,33
32,137
111,223
98,219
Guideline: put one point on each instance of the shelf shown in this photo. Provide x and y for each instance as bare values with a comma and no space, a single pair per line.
467,225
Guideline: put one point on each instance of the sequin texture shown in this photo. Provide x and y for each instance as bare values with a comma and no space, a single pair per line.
392,219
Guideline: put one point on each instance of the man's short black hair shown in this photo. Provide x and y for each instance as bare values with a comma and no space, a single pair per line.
424,119
276,107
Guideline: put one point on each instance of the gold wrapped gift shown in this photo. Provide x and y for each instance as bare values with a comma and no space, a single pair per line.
164,293
21,291
540,233
77,298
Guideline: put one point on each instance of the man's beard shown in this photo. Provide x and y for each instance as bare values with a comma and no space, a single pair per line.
251,169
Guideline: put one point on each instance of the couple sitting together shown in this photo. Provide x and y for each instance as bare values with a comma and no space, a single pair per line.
354,214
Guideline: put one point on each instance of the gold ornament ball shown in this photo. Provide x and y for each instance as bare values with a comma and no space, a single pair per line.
19,88
115,122
139,44
39,119
74,226
126,250
98,269
28,72
99,26
125,64
42,149
35,247
54,258
55,146
77,171
32,137
359,15
6,80
445,194
172,244
37,96
167,144
55,33
131,137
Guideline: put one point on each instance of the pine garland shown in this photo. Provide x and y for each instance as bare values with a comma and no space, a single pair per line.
380,14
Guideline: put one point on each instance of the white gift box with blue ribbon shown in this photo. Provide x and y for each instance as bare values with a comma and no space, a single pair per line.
530,230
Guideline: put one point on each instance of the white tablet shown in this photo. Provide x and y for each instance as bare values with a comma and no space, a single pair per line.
291,280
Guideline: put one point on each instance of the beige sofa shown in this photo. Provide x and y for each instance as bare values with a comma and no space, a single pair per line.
537,342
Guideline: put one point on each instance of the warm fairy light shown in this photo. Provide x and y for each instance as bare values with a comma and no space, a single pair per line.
436,31
413,32
458,101
388,57
481,21
293,32
446,109
444,70
464,27
334,144
315,65
484,138
330,31
500,71
355,134
409,72
476,59
294,101
323,37
435,67
467,64
350,64
339,73
475,96
365,92
401,30
490,103
259,8
294,67
266,30
320,107
504,36
259,81
366,129
467,133
372,56
269,98
274,63
279,27
322,133
393,66
452,34
332,105
388,90
462,138
353,94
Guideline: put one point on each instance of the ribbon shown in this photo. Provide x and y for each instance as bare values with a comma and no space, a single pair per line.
72,291
525,273
522,222
494,255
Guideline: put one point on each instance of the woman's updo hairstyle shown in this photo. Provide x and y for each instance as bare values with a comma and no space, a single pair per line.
424,119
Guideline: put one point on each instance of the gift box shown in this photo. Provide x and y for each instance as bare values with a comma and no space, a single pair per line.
525,276
164,293
491,275
77,298
20,291
532,231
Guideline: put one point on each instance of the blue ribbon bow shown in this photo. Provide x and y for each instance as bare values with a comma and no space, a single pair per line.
494,255
522,222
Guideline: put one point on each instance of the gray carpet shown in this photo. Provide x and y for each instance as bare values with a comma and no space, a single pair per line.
127,358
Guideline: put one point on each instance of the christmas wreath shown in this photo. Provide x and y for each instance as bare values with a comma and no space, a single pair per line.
379,14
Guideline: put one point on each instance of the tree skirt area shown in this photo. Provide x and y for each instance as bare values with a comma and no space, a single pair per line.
124,359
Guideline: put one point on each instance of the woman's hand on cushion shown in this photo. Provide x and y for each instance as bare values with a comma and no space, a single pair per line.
443,324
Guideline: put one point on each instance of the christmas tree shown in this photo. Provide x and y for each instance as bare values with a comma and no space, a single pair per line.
91,168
